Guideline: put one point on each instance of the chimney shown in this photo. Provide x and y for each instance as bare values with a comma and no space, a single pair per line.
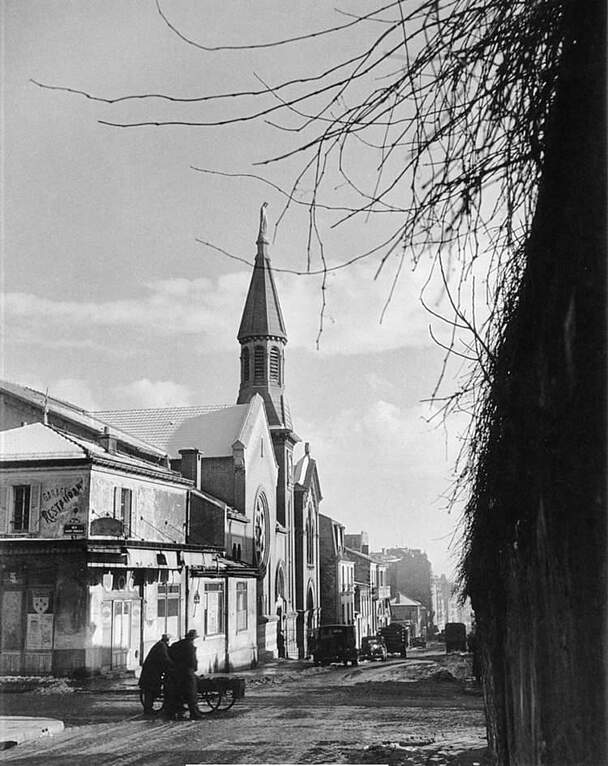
364,543
191,465
107,441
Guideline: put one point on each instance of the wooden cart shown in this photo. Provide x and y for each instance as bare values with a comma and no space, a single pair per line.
218,692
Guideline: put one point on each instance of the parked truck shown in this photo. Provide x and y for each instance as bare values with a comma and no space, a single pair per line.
455,637
395,637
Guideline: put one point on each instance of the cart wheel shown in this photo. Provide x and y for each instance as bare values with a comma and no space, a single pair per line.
212,697
227,699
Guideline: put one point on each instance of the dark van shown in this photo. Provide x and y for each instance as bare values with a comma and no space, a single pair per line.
335,643
455,637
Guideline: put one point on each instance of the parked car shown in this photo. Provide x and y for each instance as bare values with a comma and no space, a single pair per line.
335,643
455,637
373,648
419,642
395,638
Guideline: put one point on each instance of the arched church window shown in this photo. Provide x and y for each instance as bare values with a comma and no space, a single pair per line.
275,365
260,530
245,365
258,363
310,537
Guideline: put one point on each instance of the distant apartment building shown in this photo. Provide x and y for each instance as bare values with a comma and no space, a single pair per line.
337,574
447,606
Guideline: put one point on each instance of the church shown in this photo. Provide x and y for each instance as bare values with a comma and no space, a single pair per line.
234,520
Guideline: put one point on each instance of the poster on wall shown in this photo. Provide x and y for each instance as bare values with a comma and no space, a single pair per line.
39,631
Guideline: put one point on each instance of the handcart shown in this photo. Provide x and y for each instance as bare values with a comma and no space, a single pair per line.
219,692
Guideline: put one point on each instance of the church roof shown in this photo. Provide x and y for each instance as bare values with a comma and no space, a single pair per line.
210,429
262,314
306,474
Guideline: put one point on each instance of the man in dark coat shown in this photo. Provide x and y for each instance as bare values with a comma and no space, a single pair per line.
182,678
155,665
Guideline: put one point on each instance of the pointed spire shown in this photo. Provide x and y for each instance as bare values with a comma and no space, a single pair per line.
263,232
262,315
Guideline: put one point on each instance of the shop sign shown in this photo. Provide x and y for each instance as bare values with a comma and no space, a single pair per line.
73,528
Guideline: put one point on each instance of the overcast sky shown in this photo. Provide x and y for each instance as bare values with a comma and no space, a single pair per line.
110,301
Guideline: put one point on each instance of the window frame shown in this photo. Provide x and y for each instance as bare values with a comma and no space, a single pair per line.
8,501
215,587
241,606
119,510
25,513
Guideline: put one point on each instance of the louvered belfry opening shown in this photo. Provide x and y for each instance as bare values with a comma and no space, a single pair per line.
259,364
275,365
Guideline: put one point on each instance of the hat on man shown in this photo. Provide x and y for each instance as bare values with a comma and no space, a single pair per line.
191,634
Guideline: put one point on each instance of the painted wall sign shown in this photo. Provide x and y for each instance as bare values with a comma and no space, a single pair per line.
57,499
63,501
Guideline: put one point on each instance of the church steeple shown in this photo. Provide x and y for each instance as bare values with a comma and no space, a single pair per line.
262,316
263,337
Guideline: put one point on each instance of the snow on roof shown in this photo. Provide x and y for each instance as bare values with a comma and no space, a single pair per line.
210,429
403,600
37,442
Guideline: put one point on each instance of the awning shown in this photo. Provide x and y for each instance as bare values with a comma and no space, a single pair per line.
106,560
198,559
145,558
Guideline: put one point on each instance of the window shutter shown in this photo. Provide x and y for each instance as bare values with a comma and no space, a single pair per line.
116,507
35,508
4,508
133,520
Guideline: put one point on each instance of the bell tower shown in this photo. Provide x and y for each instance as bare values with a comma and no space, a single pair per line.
262,337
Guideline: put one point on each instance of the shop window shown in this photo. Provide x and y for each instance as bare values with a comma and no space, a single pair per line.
168,607
214,609
241,606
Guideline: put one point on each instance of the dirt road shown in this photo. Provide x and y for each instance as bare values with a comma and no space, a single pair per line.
414,711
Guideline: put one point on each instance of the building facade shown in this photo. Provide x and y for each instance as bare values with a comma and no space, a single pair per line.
96,562
337,575
307,496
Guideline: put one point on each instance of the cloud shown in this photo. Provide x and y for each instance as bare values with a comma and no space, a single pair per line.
209,310
147,393
75,391
167,308
403,467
